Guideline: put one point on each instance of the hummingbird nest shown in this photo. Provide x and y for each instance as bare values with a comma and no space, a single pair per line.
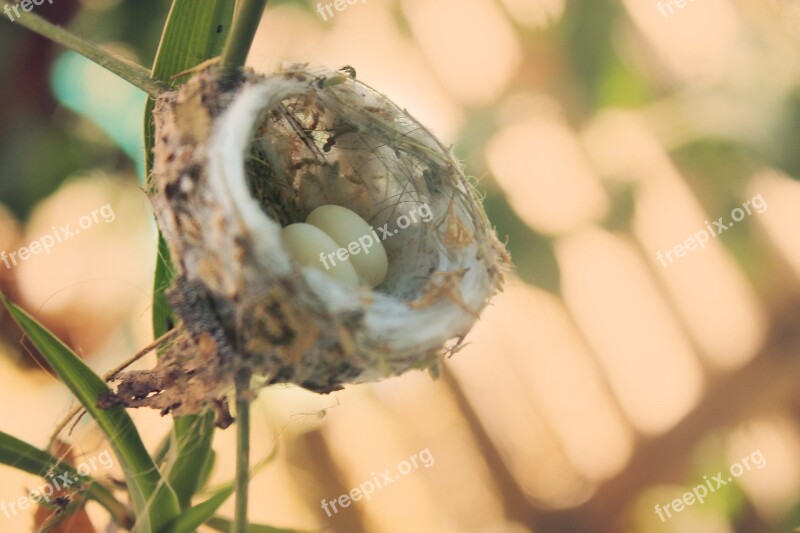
235,160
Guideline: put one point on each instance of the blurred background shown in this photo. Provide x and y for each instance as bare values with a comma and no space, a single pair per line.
599,384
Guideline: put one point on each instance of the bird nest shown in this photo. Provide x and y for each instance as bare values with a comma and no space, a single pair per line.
235,160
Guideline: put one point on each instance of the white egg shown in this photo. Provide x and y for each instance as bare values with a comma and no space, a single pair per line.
351,232
312,247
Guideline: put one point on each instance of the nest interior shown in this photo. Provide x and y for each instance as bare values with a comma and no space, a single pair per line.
354,150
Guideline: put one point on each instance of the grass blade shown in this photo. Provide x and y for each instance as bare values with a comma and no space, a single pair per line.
194,33
154,500
162,314
193,435
163,450
205,475
22,456
198,515
125,69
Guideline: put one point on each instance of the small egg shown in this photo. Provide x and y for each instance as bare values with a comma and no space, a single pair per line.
352,233
308,245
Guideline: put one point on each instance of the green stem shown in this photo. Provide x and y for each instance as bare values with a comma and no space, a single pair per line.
248,15
125,69
242,452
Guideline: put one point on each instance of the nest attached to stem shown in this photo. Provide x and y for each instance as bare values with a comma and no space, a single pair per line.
237,159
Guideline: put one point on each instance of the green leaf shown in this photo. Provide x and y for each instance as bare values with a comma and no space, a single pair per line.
162,313
162,451
22,456
193,435
195,517
228,488
205,475
195,32
224,525
154,500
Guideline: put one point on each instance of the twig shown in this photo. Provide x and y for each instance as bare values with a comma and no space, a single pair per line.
163,339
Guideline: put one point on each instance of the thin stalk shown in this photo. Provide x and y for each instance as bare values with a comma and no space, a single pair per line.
248,15
127,70
242,452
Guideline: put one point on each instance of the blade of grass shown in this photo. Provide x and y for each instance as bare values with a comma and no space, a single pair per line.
162,451
154,501
193,438
22,456
198,515
124,68
205,475
194,33
163,320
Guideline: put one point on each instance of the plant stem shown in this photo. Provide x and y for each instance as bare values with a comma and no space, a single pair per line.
125,69
242,451
248,15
